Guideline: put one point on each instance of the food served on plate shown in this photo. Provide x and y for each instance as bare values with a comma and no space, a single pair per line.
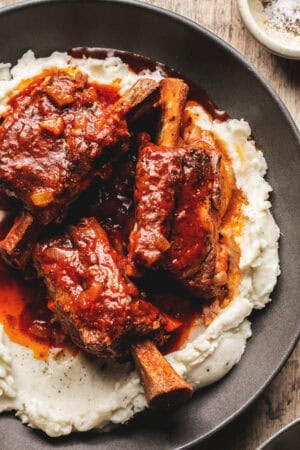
182,193
136,219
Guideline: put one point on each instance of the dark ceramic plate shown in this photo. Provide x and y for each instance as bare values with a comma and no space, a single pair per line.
236,87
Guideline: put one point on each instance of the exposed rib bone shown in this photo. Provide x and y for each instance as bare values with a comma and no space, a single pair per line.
16,247
138,99
172,99
164,388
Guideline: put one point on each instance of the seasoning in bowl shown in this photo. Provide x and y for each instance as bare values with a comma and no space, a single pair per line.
283,14
275,24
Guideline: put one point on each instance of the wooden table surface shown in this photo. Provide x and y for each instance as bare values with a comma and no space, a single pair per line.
280,402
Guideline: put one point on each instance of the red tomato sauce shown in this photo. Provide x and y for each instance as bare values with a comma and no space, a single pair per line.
25,312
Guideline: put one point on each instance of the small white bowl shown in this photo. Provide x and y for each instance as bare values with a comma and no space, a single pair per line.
275,43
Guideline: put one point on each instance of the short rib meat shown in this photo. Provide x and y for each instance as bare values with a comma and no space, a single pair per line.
158,177
54,136
158,174
173,95
196,258
98,307
56,130
182,192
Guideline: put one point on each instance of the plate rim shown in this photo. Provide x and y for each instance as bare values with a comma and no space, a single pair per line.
225,46
278,433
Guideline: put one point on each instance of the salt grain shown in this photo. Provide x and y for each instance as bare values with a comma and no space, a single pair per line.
283,14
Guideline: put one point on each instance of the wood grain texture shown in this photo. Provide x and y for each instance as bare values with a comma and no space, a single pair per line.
280,402
222,17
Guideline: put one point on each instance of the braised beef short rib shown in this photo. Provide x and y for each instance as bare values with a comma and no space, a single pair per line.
97,306
54,133
182,191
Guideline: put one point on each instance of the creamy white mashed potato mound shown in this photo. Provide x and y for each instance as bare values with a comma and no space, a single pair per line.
68,393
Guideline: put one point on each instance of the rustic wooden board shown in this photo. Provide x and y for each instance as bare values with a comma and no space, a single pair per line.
280,403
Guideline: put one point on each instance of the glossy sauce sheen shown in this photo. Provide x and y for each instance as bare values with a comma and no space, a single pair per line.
56,127
86,273
23,306
190,240
154,207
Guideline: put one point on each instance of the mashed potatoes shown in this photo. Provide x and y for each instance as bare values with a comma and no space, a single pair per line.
68,393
